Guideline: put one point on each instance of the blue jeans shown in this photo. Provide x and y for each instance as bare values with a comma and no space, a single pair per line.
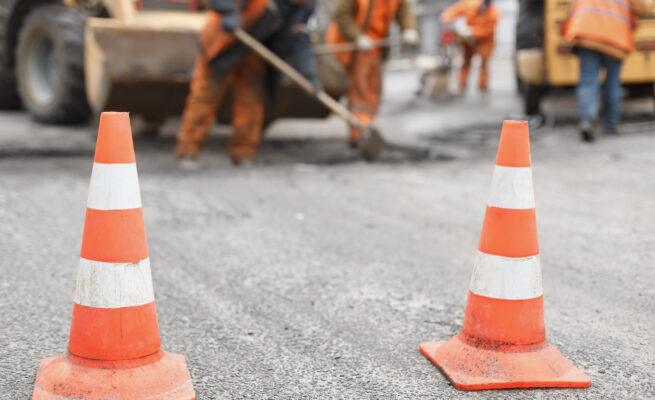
589,87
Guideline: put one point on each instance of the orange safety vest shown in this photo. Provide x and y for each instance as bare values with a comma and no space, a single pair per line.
483,25
214,39
376,14
607,21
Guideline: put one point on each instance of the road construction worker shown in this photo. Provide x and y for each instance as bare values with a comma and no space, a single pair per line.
478,31
363,23
226,64
601,33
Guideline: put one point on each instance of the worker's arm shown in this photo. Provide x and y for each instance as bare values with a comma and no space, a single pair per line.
223,6
641,8
230,15
405,16
453,12
344,16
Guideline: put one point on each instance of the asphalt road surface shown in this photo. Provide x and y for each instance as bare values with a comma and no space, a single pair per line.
315,275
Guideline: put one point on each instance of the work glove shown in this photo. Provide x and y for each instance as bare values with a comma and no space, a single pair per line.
462,29
410,36
231,22
364,43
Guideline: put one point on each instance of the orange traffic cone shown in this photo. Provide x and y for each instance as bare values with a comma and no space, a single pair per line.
114,349
503,340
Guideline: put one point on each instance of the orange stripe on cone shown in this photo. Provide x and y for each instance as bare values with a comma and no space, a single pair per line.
492,322
114,144
509,233
114,333
114,236
503,340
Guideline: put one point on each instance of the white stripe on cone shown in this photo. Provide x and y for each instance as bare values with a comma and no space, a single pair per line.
113,285
114,187
506,278
511,187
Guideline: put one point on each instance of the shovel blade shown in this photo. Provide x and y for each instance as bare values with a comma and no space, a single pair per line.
372,144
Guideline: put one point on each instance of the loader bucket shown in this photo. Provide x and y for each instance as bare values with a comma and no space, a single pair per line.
141,65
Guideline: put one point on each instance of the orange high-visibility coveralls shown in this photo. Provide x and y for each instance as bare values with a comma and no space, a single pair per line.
206,93
365,67
483,26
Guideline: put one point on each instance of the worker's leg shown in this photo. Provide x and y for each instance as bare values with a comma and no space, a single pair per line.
587,91
484,74
365,88
200,110
248,112
611,94
466,67
484,48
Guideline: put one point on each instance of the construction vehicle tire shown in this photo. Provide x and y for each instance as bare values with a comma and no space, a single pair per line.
50,64
529,25
8,97
8,94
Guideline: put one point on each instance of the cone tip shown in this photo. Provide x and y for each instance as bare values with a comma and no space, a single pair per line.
114,144
109,113
514,145
517,123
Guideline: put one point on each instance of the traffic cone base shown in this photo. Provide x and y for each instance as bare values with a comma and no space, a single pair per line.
475,368
161,376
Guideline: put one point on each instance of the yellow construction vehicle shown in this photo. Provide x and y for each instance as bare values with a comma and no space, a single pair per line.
66,61
545,61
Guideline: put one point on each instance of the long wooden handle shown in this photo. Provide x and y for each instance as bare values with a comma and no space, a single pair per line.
351,46
295,76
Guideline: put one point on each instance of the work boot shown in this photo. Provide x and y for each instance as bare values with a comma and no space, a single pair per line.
242,158
243,163
587,131
613,131
355,134
188,164
187,149
536,121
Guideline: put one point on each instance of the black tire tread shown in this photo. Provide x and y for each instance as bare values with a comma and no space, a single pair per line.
530,25
8,93
68,25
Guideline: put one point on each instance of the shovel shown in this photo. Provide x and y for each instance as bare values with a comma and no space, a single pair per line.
371,141
342,47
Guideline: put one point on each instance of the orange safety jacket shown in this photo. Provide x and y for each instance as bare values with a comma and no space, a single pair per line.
483,25
609,22
214,39
373,16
